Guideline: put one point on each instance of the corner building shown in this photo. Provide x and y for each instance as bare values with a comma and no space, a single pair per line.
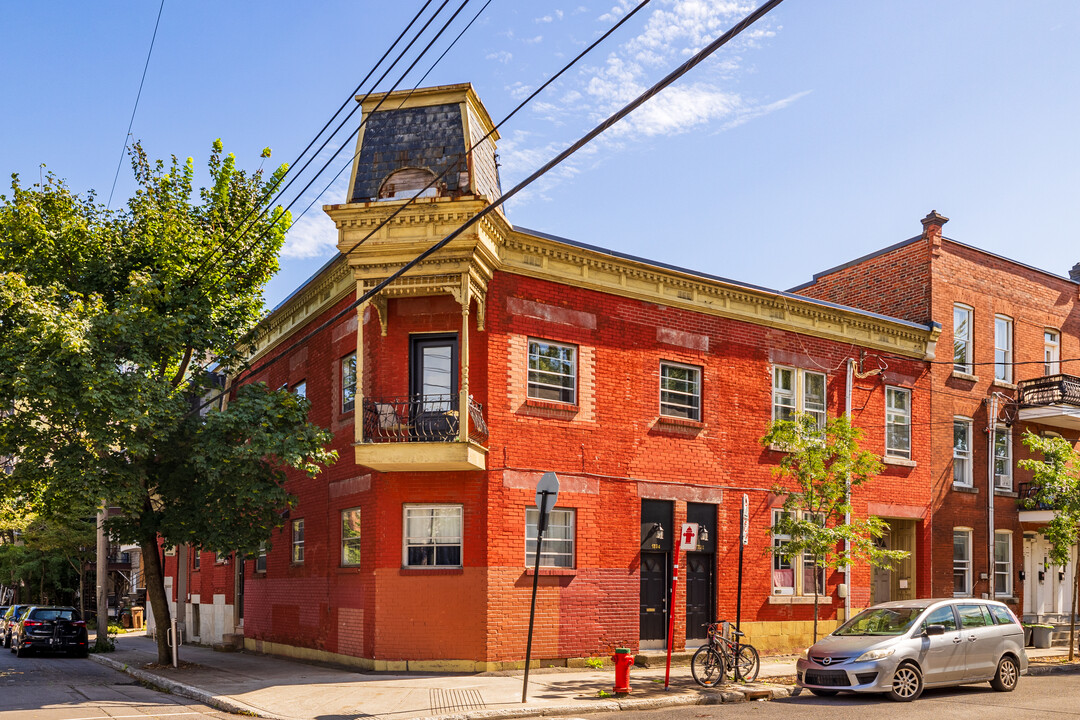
1013,334
510,353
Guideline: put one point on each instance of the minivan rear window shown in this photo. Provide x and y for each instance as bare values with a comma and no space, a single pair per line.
1002,615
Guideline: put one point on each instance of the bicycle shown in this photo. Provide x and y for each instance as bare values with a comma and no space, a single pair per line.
723,657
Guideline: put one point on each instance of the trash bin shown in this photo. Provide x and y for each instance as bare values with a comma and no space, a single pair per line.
125,618
136,616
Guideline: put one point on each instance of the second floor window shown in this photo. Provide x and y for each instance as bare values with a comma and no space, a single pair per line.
962,452
680,391
348,382
798,391
260,559
298,541
898,422
300,388
962,338
1051,352
1003,340
1003,460
553,371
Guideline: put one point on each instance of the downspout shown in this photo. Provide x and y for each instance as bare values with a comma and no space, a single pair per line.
847,516
991,437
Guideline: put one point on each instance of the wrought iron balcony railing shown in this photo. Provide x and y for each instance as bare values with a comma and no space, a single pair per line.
426,418
1027,498
1050,390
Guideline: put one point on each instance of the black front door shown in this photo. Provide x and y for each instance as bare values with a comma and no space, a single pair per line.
699,594
654,583
433,386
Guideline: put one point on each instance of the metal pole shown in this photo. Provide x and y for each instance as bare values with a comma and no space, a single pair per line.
541,525
738,593
991,447
671,618
101,578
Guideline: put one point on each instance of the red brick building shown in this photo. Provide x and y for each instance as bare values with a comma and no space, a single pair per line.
1014,331
511,353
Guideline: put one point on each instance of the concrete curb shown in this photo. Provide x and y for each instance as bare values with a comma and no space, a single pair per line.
177,688
1037,670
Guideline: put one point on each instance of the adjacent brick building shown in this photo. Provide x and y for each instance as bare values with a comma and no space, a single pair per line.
511,353
1015,334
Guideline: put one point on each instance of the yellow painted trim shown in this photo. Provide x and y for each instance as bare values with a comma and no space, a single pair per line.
421,457
302,653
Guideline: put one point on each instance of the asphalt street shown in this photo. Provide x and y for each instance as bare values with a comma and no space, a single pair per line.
61,688
1035,698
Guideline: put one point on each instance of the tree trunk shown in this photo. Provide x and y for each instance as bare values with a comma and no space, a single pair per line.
814,580
155,593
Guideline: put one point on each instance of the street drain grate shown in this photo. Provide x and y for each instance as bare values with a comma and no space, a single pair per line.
444,701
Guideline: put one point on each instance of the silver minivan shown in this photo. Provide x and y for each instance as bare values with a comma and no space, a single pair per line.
904,646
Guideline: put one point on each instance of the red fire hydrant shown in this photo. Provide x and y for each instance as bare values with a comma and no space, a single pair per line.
623,660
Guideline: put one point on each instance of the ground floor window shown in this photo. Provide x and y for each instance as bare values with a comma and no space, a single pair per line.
785,579
1003,563
961,562
558,550
433,536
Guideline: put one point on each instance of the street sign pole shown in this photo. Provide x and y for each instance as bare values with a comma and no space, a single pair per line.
687,541
744,533
547,494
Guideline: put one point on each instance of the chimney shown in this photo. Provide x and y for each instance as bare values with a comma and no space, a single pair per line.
1074,274
932,225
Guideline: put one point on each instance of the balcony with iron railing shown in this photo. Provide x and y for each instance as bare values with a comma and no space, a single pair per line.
421,433
1031,508
1051,400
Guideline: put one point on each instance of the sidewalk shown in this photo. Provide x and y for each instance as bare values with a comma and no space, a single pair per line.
283,689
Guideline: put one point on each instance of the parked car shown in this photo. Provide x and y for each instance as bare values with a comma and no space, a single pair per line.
902,647
8,622
52,629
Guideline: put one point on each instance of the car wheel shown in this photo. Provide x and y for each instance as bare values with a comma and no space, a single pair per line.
906,683
823,693
1007,675
21,651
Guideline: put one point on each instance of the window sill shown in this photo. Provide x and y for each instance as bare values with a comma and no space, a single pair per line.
1004,383
1007,599
551,409
965,376
902,462
680,422
553,571
348,569
965,489
799,600
415,571
1005,493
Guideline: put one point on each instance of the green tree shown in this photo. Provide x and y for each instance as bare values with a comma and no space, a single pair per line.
110,322
1056,479
821,466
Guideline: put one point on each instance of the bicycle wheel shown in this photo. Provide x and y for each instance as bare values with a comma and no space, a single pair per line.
748,662
707,667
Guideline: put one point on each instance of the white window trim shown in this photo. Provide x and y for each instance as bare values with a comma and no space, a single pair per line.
1051,352
1007,483
798,566
345,386
969,479
798,393
302,384
296,548
530,554
905,415
967,561
405,538
1003,370
349,542
967,366
1008,572
576,371
697,411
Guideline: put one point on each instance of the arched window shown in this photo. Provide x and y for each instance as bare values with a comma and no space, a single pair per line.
404,183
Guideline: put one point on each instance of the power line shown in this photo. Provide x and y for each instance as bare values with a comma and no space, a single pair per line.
138,95
667,80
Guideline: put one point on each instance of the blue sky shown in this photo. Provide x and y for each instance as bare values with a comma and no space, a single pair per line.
826,134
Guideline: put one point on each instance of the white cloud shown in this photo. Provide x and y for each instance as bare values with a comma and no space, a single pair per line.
533,40
557,15
313,235
501,56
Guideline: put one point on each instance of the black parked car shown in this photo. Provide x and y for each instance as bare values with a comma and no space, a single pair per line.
8,622
53,629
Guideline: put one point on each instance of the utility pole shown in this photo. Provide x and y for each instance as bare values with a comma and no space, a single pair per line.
102,575
991,444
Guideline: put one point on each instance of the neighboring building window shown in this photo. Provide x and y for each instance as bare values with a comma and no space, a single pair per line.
348,382
350,536
432,536
1003,460
558,550
196,558
300,388
298,541
680,391
962,338
798,391
785,581
552,371
260,559
898,422
1002,563
961,562
1051,352
961,454
1003,339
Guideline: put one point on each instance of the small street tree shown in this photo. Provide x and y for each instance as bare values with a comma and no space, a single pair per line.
1056,479
818,470
110,325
